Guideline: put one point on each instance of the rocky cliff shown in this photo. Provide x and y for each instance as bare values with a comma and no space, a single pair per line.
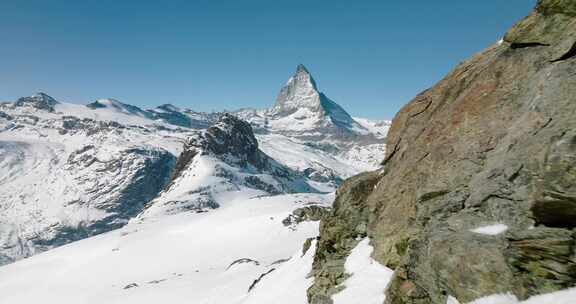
477,194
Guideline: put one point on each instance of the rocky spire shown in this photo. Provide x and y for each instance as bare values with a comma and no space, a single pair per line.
230,139
301,92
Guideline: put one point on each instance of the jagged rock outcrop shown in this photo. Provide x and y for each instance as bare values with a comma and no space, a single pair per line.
311,213
224,158
493,143
231,139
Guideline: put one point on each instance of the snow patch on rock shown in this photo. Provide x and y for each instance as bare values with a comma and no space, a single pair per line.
494,229
369,278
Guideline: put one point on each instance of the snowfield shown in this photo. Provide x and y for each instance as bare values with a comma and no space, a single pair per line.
183,258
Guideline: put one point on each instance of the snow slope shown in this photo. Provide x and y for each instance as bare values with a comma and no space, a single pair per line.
63,178
183,258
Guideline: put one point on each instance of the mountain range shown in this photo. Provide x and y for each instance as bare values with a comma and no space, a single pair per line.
70,171
473,200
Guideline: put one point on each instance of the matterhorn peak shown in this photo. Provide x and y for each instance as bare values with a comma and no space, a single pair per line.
301,98
301,68
299,92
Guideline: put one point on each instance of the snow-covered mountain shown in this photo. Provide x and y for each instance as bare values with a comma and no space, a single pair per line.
63,178
300,106
225,162
304,118
70,171
301,110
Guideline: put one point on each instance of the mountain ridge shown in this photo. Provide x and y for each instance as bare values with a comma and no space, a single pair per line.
107,148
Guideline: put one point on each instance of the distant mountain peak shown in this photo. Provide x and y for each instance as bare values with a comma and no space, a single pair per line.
168,107
301,68
118,106
299,92
39,100
42,95
300,96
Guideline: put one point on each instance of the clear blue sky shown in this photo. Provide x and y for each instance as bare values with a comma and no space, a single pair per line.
369,56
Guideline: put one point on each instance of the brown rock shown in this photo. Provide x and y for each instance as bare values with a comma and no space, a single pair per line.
493,142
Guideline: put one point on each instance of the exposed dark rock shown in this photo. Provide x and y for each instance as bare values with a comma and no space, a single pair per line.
5,116
323,175
259,279
238,162
307,245
340,232
89,126
26,119
542,257
555,200
256,183
243,261
152,170
306,214
521,45
231,139
280,261
131,285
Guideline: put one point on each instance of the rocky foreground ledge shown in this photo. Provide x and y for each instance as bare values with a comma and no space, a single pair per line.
477,195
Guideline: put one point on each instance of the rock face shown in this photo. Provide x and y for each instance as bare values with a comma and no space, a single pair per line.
231,140
340,232
493,143
64,178
99,195
299,92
